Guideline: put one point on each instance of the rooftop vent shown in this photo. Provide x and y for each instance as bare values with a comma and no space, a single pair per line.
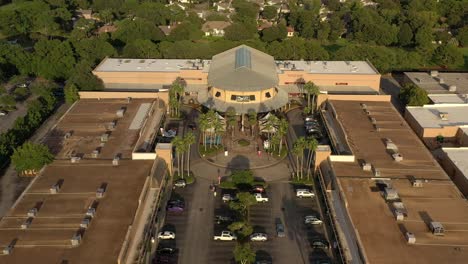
76,240
373,121
32,212
410,238
375,171
434,73
116,160
366,166
441,81
389,145
113,124
54,189
452,88
363,106
437,228
91,212
85,222
75,159
67,135
399,216
444,116
129,99
397,157
101,191
26,223
417,183
7,250
95,153
105,137
120,112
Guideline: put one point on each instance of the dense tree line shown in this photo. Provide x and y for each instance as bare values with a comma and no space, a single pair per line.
38,111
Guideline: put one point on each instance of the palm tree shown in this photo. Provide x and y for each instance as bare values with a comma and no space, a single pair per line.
252,120
311,145
189,140
178,144
312,90
204,125
298,150
231,119
176,92
283,127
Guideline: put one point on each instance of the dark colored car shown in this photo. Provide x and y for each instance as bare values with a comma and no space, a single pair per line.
176,202
221,219
279,228
175,208
166,255
258,189
320,243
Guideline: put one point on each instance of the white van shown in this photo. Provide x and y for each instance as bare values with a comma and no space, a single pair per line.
304,193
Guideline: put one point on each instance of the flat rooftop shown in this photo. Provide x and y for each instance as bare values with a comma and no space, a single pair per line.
151,65
48,238
428,116
433,85
459,157
448,99
382,237
328,67
176,65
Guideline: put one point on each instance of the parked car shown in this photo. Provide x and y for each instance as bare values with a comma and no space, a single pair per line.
309,118
166,235
258,189
180,183
175,208
226,236
312,220
176,202
3,113
192,126
320,243
323,261
220,219
304,193
258,237
166,255
263,261
260,198
279,228
228,197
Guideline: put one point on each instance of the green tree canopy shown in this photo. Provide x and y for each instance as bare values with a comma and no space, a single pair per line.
53,59
31,156
405,36
242,177
462,36
278,32
239,31
446,55
142,49
269,12
186,31
71,93
413,95
129,30
244,254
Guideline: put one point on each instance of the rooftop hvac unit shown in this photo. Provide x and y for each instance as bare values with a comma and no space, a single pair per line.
367,112
105,137
91,212
76,240
376,127
373,121
363,106
85,222
120,112
444,116
366,166
389,145
129,99
375,171
100,192
417,183
434,73
32,212
399,215
390,194
113,124
26,223
397,157
75,159
67,135
95,153
54,189
437,228
7,250
441,81
115,161
452,88
410,238
400,207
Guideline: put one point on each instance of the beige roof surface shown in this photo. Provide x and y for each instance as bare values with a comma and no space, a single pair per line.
448,99
243,69
210,25
48,239
459,157
382,237
429,115
433,86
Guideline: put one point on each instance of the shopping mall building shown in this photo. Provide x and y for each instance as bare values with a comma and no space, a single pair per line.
242,78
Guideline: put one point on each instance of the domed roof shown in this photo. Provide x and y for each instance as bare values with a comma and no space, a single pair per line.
243,69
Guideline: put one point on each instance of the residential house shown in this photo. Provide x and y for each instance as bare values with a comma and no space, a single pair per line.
167,29
223,6
284,8
107,29
86,14
215,28
290,31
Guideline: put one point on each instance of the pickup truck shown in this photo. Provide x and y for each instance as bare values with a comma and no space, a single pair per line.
260,199
225,236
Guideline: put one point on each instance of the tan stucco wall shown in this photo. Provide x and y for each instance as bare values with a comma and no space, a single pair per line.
414,124
455,174
371,80
164,96
259,95
321,98
462,138
190,76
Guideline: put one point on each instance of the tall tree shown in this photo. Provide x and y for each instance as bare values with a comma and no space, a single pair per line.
31,157
405,36
189,140
244,254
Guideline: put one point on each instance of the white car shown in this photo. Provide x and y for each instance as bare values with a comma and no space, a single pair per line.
260,198
304,193
228,197
312,220
225,236
166,235
3,113
258,237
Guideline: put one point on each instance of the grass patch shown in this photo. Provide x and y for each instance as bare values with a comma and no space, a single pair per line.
210,151
243,142
305,181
